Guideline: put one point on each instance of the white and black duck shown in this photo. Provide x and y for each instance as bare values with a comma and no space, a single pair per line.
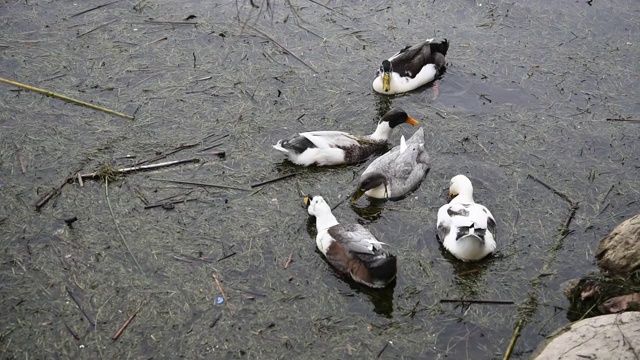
351,248
397,172
466,229
411,67
324,148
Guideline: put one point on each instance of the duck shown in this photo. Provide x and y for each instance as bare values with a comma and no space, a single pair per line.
351,248
466,229
397,172
411,67
326,148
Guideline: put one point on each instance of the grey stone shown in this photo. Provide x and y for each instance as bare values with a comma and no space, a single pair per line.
619,252
615,336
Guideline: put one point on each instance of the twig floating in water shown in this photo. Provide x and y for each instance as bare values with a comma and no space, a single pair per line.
97,27
514,338
289,261
168,203
607,194
226,256
93,8
201,184
224,296
284,49
342,201
46,197
562,195
169,22
142,167
273,180
73,333
155,41
413,311
328,8
23,164
219,286
123,327
164,155
55,191
495,302
383,349
106,191
210,147
623,119
75,300
65,98
215,320
219,153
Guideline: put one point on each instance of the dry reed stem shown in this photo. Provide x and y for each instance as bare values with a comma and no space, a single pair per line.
100,173
63,97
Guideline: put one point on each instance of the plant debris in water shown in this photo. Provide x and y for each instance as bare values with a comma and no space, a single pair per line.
554,81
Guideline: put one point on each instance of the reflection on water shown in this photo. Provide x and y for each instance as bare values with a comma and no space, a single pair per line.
370,212
381,299
469,275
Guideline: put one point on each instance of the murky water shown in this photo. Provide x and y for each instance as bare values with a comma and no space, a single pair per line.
531,89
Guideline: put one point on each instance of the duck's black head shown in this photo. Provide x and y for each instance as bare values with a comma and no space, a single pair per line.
370,181
397,117
386,66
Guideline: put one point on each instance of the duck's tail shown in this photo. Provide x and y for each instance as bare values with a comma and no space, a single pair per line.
472,236
279,147
383,270
440,47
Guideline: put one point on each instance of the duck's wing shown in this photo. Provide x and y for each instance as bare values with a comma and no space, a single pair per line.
331,139
356,238
444,224
296,145
455,220
400,167
410,60
408,168
491,221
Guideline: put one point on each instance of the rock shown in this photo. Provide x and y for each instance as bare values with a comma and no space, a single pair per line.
622,303
619,252
568,287
615,336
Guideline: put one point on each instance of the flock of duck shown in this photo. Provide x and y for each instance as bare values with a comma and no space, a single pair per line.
465,228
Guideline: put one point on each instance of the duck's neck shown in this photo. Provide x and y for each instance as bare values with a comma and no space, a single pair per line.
325,220
464,197
383,131
378,192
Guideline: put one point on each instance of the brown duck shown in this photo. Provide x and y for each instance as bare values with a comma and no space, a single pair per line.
351,248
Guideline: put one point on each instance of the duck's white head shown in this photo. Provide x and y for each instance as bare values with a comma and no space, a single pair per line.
389,121
461,189
316,206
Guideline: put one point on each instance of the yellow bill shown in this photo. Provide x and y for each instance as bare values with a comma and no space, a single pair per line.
386,81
